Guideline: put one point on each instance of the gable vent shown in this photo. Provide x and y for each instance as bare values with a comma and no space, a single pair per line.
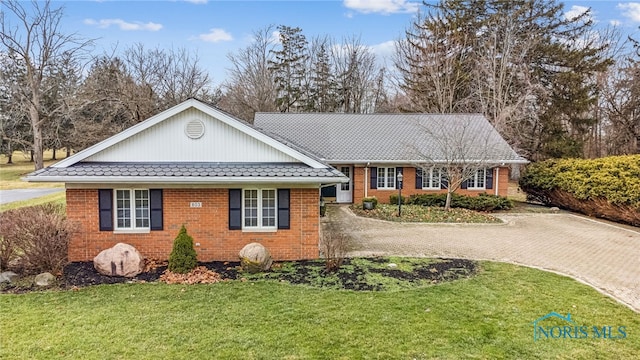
194,129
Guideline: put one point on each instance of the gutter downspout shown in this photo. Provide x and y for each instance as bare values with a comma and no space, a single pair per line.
497,177
366,177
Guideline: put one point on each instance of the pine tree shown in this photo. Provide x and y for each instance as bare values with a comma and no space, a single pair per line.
521,63
289,68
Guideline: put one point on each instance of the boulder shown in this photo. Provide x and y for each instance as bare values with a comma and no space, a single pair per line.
44,279
255,258
7,276
120,260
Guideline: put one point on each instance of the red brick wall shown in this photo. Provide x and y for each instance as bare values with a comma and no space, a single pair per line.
207,225
409,188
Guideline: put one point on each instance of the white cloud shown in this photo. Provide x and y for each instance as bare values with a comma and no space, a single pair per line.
630,10
216,35
275,37
382,6
615,22
123,25
384,50
576,11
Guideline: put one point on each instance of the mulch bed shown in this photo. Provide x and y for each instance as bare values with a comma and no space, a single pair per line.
306,272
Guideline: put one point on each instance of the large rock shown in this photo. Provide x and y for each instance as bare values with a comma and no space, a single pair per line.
44,279
255,258
120,260
8,276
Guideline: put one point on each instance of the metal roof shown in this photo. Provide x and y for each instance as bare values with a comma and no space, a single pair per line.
214,169
198,172
410,138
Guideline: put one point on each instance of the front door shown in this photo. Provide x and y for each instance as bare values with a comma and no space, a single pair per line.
344,190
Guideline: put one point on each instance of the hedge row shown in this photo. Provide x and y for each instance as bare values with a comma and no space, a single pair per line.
482,202
606,187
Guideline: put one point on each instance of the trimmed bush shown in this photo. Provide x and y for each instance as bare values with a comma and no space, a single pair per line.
482,202
393,200
183,257
606,187
34,239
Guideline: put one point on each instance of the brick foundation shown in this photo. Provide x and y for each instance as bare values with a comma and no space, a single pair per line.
207,225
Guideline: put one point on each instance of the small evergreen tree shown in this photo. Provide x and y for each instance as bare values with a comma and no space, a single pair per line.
183,257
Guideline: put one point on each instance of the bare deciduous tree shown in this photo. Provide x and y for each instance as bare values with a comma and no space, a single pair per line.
38,41
356,75
460,150
171,75
250,86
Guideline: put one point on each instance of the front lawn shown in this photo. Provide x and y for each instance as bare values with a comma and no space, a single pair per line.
11,174
486,316
428,214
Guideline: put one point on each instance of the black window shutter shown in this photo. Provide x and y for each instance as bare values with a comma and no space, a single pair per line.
464,184
235,209
444,181
399,171
489,184
155,209
105,208
419,178
374,177
284,209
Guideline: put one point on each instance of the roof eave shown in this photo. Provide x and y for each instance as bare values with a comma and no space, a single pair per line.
186,179
412,162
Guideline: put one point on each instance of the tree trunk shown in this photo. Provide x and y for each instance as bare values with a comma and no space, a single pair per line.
447,203
10,159
37,131
54,154
68,151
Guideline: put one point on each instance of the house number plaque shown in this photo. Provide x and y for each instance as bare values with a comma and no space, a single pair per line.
195,204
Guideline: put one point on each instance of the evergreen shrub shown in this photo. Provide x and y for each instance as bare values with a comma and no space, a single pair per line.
482,202
607,187
183,257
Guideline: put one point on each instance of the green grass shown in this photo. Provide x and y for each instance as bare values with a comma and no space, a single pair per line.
10,174
427,214
370,273
484,317
58,198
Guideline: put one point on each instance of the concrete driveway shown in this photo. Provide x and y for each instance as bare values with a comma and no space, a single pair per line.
603,255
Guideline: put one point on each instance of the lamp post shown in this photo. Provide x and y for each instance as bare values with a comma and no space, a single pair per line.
399,177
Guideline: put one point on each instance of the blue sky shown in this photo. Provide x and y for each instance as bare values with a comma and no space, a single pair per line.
214,28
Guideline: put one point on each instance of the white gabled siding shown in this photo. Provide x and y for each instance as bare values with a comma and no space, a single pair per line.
167,142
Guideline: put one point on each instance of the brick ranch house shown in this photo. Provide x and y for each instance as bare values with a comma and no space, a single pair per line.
231,183
227,182
371,149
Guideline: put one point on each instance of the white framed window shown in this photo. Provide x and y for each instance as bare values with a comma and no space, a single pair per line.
346,170
478,181
132,209
386,178
259,209
431,178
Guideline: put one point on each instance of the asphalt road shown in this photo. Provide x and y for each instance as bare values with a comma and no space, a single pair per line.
7,196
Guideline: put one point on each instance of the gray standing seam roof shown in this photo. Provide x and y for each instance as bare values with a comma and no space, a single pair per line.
202,170
390,137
